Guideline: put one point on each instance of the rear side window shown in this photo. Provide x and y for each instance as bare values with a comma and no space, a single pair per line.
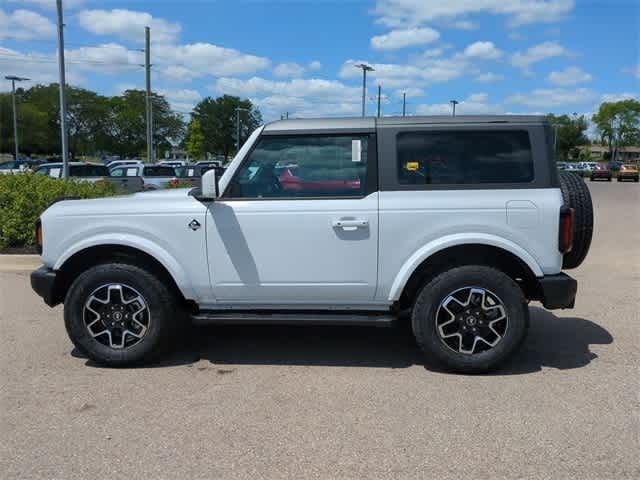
464,157
159,172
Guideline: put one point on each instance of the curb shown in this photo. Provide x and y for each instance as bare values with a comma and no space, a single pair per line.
19,263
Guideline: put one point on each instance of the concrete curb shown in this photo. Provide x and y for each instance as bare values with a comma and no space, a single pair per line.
19,263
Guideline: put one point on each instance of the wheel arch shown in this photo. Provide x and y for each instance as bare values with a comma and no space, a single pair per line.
430,262
80,259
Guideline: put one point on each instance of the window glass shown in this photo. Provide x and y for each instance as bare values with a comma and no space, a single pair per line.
88,171
55,172
303,166
117,172
132,172
8,165
159,172
464,157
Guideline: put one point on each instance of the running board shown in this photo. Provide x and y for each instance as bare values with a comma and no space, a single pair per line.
293,318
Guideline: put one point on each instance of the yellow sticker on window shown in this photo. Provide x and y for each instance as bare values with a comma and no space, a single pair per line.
412,166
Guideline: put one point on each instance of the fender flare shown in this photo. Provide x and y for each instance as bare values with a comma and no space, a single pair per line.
455,240
145,245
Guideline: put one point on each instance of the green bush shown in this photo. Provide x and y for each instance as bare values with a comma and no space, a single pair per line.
24,197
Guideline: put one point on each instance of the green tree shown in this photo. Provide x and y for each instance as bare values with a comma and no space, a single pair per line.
217,118
618,124
126,124
570,133
195,140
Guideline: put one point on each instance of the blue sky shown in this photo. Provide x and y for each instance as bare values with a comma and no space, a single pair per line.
296,56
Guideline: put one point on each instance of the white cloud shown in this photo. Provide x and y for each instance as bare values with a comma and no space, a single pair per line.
25,25
40,68
397,39
633,70
569,76
300,97
434,52
475,104
553,97
288,70
181,99
538,53
400,13
128,24
315,65
185,62
489,77
616,97
411,92
51,4
483,51
107,58
464,25
423,71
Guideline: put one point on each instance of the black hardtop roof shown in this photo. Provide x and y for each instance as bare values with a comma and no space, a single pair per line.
370,123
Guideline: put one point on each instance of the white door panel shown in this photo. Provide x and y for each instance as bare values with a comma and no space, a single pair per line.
294,251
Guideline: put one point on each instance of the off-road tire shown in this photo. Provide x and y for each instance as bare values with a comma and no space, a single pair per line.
166,314
423,318
575,194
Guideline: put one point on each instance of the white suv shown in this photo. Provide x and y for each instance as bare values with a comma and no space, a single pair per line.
455,223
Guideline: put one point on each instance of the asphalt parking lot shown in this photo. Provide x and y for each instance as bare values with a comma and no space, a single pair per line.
302,402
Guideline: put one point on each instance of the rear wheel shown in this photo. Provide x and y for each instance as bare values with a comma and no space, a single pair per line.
120,314
471,318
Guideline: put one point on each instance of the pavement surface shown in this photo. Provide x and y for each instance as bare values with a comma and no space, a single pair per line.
348,403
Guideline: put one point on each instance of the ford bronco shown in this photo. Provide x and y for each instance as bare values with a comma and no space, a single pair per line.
454,223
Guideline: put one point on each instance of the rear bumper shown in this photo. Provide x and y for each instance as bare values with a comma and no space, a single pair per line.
43,282
558,291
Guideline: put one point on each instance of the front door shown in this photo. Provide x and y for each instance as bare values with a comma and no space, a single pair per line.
298,224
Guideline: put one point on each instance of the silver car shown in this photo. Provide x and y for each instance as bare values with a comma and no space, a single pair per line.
153,177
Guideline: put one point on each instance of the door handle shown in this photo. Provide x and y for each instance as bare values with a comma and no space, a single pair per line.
350,225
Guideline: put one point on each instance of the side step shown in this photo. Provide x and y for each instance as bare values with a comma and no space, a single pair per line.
212,317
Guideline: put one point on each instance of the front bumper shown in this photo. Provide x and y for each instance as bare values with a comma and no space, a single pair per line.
43,282
558,291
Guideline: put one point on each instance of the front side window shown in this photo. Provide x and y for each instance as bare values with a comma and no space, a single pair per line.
159,172
303,166
464,157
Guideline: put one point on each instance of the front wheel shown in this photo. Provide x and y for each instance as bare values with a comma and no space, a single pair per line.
471,318
120,314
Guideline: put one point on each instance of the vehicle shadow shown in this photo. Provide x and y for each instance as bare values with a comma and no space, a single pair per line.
561,343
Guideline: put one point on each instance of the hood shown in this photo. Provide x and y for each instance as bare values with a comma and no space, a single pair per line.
154,202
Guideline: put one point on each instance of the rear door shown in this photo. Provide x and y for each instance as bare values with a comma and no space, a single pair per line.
312,239
127,178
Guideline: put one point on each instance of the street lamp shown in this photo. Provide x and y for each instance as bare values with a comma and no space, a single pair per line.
454,103
365,68
15,79
238,109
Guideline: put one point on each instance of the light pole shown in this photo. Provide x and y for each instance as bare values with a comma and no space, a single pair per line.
238,109
454,103
15,79
63,101
365,68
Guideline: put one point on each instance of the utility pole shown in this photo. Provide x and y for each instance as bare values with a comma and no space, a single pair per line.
379,95
15,79
404,104
63,101
147,74
365,68
238,125
454,103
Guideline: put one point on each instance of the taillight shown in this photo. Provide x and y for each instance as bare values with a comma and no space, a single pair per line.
565,237
39,236
174,182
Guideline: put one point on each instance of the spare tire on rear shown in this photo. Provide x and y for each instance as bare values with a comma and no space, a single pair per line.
575,194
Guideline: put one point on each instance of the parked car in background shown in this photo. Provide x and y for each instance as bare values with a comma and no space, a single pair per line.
193,173
561,165
119,163
628,172
573,167
204,163
173,163
601,172
153,177
614,165
89,172
18,166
